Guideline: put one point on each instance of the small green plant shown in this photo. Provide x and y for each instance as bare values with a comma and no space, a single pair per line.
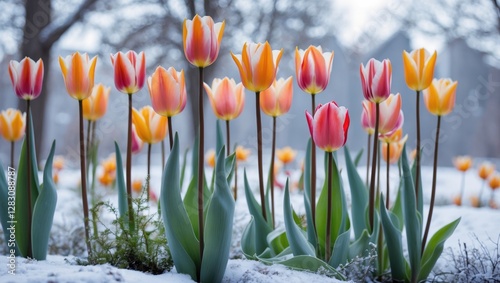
144,249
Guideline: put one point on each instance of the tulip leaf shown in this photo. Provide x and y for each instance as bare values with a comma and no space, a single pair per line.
182,241
218,226
191,202
357,159
262,227
219,142
434,248
195,158
394,244
312,264
360,246
4,204
340,252
359,195
296,238
420,197
248,240
277,240
120,184
43,212
230,167
413,219
311,233
397,208
22,202
183,170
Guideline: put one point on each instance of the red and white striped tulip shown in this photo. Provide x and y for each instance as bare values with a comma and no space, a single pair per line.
376,80
26,77
313,68
129,70
329,126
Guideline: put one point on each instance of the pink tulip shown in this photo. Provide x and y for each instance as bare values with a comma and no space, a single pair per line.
313,69
167,89
391,117
130,71
226,97
329,126
26,77
366,118
277,99
376,80
201,38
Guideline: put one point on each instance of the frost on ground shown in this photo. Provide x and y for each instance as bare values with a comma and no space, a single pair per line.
477,225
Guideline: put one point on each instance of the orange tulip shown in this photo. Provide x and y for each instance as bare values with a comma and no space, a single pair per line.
78,73
394,137
494,181
108,174
201,38
277,99
130,71
241,153
137,186
462,163
419,68
167,89
137,143
26,77
258,65
58,163
94,107
151,127
485,170
226,97
439,97
396,148
313,69
12,124
286,154
210,158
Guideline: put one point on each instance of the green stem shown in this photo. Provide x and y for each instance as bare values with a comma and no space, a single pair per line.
93,146
329,208
271,173
228,139
128,169
84,183
148,178
433,193
170,132
259,155
368,145
313,171
417,156
28,157
87,146
371,203
235,180
201,163
387,176
162,155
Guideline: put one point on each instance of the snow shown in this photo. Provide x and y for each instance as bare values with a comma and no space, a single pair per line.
477,223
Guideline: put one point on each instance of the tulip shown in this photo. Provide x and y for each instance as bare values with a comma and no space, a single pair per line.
439,97
391,117
313,68
394,149
494,181
137,143
137,186
129,70
328,129
367,117
226,98
462,163
78,73
26,77
286,154
376,80
419,68
202,38
210,158
94,107
12,124
485,170
329,126
277,99
257,65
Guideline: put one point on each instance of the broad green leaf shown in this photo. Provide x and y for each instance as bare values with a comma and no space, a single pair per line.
277,240
359,195
312,264
434,248
230,167
340,252
413,220
183,170
120,184
262,227
182,241
394,244
397,208
311,234
357,159
420,203
360,246
249,240
4,204
218,226
43,212
191,202
219,142
296,238
194,159
22,202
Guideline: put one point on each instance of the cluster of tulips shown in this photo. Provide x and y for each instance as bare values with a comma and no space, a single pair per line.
486,172
199,231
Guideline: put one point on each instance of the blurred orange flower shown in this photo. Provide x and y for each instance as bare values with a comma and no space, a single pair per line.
494,181
137,186
242,153
210,158
462,163
286,154
485,170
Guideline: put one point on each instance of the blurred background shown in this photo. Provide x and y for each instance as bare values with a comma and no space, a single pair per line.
466,35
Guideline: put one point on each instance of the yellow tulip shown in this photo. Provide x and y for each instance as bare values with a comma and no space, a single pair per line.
210,158
485,170
462,163
286,154
396,148
419,68
94,107
151,127
439,97
241,153
12,124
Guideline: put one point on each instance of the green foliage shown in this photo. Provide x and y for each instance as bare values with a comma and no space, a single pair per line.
4,204
143,250
120,184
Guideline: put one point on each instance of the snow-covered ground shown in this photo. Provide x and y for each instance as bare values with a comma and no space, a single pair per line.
480,223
